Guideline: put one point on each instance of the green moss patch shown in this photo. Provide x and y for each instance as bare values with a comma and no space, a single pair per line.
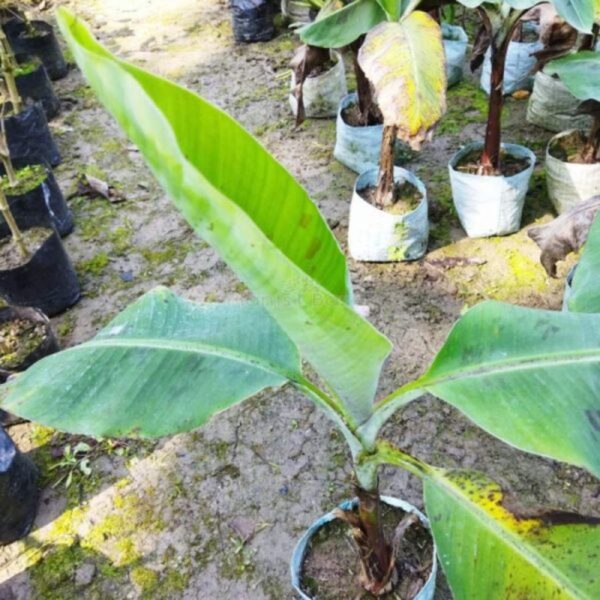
26,68
27,179
466,103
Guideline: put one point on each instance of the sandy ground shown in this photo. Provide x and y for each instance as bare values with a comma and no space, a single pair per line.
215,513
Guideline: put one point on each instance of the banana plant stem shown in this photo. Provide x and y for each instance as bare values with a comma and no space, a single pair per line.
17,236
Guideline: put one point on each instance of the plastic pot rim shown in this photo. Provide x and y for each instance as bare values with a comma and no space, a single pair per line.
406,174
335,55
349,100
556,137
476,145
301,548
24,265
47,345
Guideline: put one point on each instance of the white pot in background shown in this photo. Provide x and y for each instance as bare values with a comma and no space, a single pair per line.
379,236
490,205
553,107
322,94
455,47
296,12
569,183
519,62
356,147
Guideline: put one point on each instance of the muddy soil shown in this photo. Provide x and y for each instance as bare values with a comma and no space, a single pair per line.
215,513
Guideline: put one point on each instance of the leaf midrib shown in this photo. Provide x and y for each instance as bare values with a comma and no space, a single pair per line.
504,534
509,366
200,348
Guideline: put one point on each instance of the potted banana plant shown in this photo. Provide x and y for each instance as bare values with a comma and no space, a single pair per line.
359,122
551,105
403,59
573,156
213,356
318,74
36,39
490,180
35,270
402,62
26,126
400,73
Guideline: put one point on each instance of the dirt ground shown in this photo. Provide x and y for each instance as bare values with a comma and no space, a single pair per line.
214,514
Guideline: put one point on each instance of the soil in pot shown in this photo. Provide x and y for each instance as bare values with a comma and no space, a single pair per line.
509,165
568,148
18,339
26,336
406,198
332,567
35,197
352,116
11,257
320,69
28,178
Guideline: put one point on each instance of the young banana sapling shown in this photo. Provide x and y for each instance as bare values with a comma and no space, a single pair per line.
166,365
500,21
580,73
400,71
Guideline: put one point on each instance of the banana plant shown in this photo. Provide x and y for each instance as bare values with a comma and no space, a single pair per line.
403,59
166,365
580,73
500,19
585,287
400,55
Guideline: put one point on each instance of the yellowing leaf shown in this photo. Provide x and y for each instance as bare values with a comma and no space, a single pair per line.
405,63
491,553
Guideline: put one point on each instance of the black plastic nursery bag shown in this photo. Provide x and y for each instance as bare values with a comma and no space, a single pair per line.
252,20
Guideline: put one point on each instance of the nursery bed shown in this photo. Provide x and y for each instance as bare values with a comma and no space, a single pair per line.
215,513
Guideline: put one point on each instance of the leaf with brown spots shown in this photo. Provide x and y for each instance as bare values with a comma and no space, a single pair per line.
489,552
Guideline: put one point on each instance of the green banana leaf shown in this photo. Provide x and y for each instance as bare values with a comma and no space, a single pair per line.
578,13
344,26
529,377
580,72
162,366
393,8
245,204
405,63
488,552
585,294
522,4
